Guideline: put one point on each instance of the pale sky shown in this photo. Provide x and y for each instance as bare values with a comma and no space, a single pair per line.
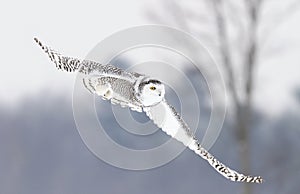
26,71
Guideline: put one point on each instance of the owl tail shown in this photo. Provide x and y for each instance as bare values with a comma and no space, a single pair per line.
62,62
221,168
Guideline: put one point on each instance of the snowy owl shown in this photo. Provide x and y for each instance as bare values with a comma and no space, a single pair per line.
140,93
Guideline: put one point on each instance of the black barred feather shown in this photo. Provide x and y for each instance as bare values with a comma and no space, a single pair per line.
71,64
68,64
166,117
125,87
222,169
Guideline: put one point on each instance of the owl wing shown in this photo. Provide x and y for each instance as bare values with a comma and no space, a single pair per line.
62,62
166,118
120,89
109,82
87,67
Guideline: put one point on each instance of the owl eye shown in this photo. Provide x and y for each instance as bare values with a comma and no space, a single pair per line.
152,88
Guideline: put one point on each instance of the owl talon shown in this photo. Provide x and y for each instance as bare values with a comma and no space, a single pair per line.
104,91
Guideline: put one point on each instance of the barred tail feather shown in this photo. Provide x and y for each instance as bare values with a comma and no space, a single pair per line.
221,168
62,62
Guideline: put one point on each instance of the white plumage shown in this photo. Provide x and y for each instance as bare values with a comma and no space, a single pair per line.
140,93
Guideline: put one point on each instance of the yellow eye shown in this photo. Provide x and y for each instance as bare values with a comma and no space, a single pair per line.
152,88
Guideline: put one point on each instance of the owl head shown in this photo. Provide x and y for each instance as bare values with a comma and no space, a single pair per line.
151,91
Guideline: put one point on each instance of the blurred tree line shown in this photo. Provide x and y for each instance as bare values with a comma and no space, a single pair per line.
236,32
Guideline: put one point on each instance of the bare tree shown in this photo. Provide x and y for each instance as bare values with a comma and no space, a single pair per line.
237,26
242,107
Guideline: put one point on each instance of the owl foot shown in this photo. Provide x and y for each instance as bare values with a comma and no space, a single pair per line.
105,91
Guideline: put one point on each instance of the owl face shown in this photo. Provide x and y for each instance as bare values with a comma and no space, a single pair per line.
152,92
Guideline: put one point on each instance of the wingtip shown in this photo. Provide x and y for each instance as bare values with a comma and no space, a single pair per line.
38,42
260,180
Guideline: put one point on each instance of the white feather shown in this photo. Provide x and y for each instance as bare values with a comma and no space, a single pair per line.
122,88
166,117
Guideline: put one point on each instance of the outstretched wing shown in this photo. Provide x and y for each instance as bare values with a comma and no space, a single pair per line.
121,91
98,76
166,118
71,64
